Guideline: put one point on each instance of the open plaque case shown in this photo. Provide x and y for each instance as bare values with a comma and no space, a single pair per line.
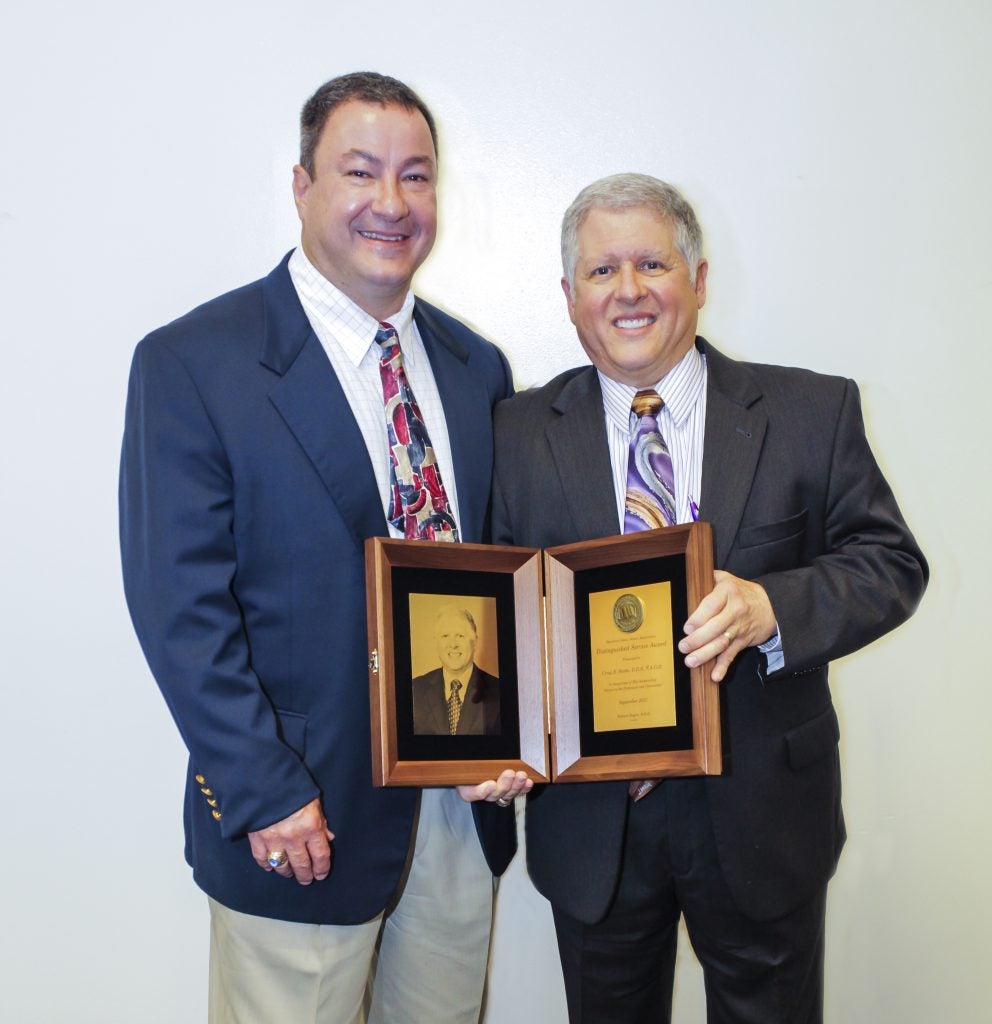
566,660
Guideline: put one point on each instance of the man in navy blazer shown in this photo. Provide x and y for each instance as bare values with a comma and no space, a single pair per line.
255,464
814,562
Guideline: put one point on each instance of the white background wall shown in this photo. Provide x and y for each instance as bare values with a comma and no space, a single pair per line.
839,157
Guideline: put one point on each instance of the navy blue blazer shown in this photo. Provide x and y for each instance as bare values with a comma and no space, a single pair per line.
797,502
246,495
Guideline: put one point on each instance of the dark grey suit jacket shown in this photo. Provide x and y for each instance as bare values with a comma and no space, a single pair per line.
480,705
797,502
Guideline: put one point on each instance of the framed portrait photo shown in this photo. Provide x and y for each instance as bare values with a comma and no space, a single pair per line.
456,662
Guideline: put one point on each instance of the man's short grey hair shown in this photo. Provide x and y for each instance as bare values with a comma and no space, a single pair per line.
452,609
624,192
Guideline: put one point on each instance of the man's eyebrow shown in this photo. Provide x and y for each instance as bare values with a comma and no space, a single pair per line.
362,155
416,161
371,158
617,257
606,256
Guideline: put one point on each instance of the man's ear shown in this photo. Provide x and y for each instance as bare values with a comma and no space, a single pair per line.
701,271
567,289
301,185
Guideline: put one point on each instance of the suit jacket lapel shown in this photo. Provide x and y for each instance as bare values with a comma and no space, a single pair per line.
310,399
732,442
437,706
466,411
579,447
470,719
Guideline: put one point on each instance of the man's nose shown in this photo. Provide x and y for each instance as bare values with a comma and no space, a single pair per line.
629,287
389,200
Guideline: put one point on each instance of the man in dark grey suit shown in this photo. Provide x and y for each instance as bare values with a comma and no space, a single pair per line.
457,698
815,561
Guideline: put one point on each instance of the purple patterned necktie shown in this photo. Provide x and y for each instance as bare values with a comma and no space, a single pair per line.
418,504
650,500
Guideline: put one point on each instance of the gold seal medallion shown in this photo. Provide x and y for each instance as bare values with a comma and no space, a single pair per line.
628,613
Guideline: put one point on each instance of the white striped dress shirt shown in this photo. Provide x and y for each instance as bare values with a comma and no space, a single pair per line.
681,422
347,334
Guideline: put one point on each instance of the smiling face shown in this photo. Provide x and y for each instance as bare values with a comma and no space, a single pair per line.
369,211
456,641
632,301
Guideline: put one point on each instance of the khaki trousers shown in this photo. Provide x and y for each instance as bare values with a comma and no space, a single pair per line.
423,961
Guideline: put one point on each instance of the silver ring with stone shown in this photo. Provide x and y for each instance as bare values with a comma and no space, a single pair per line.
502,802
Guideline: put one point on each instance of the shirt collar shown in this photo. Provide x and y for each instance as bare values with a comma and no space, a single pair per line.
464,677
331,310
680,389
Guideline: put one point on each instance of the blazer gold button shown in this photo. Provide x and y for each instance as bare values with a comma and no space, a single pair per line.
207,792
213,803
217,815
200,779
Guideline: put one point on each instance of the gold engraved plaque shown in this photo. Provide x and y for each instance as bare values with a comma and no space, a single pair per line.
633,666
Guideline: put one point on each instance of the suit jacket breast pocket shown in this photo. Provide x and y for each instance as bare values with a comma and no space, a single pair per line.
767,547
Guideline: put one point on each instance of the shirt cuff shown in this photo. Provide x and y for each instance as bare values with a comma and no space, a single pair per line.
773,652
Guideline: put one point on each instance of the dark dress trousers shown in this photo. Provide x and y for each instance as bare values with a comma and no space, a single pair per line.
246,495
797,502
479,715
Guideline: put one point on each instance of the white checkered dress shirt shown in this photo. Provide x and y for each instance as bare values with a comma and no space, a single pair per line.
347,334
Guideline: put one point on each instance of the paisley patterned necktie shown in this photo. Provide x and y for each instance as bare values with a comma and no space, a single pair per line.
650,500
454,706
418,504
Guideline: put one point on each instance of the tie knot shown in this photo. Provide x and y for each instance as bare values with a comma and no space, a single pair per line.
456,685
646,403
386,336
